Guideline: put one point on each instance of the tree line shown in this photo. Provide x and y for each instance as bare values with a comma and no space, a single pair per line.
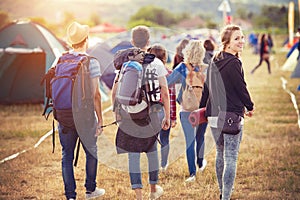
269,16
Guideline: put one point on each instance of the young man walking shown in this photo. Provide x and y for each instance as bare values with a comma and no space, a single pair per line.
138,135
77,36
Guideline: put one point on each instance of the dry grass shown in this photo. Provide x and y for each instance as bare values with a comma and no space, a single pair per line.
268,166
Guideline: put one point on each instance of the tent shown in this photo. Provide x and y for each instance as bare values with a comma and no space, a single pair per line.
101,51
105,55
296,72
28,50
291,61
21,72
122,45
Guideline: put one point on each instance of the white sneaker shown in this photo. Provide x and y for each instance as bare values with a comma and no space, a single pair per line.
158,193
98,192
164,169
204,163
71,199
190,179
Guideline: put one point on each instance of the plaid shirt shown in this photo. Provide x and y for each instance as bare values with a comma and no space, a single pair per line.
172,93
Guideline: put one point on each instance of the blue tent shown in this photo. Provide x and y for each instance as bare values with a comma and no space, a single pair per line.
121,45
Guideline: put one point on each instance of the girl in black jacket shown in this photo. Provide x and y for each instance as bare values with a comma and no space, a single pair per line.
227,92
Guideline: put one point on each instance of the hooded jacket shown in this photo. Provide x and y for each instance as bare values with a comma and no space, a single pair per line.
226,86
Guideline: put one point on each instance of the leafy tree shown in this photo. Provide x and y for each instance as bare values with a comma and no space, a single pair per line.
271,16
242,13
39,20
134,23
95,19
68,18
154,14
4,18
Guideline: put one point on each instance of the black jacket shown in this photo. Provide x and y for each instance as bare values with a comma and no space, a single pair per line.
226,86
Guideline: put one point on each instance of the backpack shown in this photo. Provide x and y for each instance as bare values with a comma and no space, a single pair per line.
129,91
192,92
133,94
59,82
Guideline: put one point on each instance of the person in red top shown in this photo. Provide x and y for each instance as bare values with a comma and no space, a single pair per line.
264,53
161,53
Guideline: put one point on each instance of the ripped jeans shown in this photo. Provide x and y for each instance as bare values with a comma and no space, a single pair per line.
227,147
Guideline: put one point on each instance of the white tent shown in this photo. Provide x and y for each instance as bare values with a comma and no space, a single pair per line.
291,61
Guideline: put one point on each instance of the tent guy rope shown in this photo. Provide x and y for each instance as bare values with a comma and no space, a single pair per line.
293,98
38,143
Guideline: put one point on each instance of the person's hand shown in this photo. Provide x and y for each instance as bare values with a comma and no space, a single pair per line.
249,113
99,130
165,124
173,123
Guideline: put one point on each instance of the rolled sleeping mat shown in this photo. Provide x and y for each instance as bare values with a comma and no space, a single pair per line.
197,117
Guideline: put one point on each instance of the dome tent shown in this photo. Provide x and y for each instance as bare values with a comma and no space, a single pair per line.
27,51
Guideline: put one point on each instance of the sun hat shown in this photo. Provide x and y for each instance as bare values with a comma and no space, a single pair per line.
76,32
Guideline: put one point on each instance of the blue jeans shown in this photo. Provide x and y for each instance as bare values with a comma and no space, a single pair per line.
165,147
200,143
68,141
135,170
164,140
189,134
226,160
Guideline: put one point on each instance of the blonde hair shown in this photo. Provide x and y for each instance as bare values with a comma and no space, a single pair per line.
194,53
159,51
140,36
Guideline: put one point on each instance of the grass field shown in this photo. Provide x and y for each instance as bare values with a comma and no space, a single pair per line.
268,165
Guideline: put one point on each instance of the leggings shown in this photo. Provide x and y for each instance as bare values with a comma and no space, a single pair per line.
226,160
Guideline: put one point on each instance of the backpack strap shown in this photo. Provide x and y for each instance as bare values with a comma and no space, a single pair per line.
77,153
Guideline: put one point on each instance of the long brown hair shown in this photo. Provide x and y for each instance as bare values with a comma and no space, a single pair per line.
226,34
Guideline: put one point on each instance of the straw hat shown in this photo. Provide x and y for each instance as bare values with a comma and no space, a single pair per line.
76,32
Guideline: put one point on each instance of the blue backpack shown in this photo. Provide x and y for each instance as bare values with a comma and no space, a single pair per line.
62,83
59,82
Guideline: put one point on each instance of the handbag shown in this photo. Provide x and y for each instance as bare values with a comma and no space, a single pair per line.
229,122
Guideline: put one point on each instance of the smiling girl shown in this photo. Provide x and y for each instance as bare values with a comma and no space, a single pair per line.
227,92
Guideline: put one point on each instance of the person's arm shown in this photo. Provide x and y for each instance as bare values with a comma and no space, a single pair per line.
175,75
98,106
114,88
239,83
165,97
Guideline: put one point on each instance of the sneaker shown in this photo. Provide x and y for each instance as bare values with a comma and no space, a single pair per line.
190,179
158,193
71,199
204,163
98,192
164,169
